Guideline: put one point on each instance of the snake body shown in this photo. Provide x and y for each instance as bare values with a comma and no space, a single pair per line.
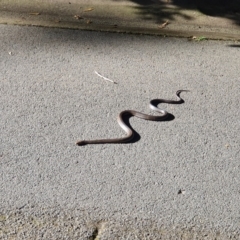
130,134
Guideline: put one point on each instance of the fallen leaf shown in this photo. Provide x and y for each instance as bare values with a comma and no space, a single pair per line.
77,17
88,9
35,13
201,38
164,24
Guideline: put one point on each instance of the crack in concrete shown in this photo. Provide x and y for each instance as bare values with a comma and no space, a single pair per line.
97,231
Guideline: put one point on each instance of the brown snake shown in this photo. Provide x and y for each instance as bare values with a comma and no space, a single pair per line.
130,133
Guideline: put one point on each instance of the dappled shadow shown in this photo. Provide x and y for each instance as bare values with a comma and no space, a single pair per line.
162,10
158,11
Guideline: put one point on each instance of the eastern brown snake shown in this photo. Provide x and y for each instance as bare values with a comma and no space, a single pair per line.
130,134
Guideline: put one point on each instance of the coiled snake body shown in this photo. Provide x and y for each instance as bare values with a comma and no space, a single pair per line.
130,134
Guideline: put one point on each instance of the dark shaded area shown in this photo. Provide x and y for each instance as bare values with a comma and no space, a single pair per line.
94,235
234,45
163,10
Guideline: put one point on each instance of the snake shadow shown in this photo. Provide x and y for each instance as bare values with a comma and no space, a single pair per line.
137,136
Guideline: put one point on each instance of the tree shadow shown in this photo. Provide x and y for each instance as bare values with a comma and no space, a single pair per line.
162,10
158,10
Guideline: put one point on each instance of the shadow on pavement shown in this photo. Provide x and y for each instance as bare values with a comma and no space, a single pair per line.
162,10
234,45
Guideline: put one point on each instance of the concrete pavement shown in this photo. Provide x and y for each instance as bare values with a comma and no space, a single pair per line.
208,19
179,181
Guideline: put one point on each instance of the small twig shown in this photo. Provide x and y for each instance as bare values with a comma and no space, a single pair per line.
164,24
104,77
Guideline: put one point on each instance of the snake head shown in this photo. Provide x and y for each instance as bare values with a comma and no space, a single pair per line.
179,91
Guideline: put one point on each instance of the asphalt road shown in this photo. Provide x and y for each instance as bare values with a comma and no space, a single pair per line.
178,180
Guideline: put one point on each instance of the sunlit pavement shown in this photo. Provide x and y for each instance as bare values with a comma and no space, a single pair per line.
178,180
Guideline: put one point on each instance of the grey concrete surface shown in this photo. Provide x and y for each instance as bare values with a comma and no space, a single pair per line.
179,181
185,18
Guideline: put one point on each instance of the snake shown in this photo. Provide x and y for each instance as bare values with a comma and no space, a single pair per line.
130,134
